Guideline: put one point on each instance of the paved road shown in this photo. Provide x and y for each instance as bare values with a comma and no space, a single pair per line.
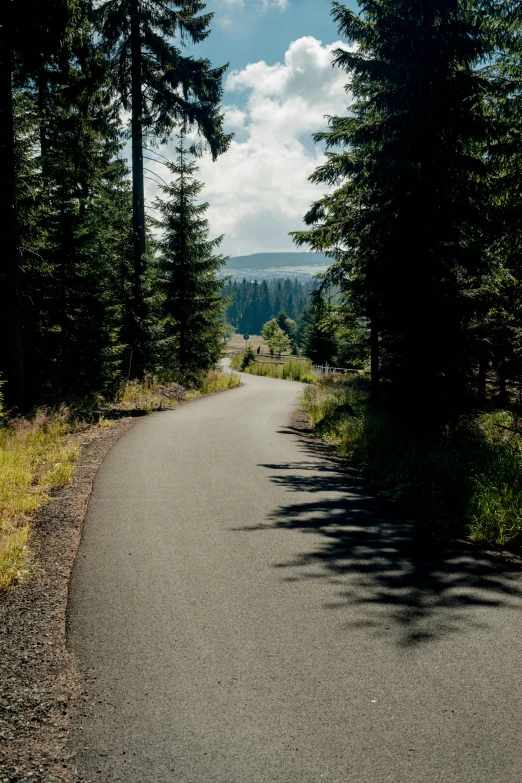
242,614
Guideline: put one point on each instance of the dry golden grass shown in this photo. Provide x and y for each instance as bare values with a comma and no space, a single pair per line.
149,394
36,457
237,343
215,381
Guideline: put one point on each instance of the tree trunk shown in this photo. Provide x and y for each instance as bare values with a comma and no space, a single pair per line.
481,381
138,194
138,189
11,341
43,98
374,360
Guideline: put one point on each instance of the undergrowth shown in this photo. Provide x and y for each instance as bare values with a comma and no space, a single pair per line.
288,369
467,478
215,381
36,457
149,394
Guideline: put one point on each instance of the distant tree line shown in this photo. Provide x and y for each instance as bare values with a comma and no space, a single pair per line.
422,218
86,290
253,303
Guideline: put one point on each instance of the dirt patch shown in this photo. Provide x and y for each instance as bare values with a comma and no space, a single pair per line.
38,682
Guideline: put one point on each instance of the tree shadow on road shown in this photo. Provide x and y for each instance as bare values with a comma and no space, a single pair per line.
397,579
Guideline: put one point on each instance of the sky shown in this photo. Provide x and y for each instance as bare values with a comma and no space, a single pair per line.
279,86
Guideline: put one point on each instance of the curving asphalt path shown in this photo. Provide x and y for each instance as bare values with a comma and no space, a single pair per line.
241,613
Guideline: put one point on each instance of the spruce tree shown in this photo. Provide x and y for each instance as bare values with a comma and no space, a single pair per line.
193,304
403,224
159,86
499,333
73,308
29,32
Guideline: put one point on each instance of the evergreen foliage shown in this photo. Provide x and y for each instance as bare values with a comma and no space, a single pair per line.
161,88
407,223
29,33
253,303
193,304
71,318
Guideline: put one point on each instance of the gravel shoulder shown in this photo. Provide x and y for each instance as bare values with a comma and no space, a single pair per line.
39,685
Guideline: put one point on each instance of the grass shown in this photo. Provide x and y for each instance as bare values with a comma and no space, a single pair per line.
36,457
237,343
155,393
466,479
215,381
288,369
149,395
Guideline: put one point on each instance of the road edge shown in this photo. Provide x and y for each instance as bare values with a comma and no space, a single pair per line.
39,683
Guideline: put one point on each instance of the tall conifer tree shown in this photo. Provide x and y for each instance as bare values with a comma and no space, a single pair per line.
29,32
403,225
160,86
193,304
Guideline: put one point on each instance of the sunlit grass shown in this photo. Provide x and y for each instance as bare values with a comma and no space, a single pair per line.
215,381
148,395
288,369
36,457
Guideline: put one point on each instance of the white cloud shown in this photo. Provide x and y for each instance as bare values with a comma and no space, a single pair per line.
259,191
262,5
235,119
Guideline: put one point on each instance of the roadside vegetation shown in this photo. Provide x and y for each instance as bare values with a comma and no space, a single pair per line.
38,455
299,369
463,478
215,382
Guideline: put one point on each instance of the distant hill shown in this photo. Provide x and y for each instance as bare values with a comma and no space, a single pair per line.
273,260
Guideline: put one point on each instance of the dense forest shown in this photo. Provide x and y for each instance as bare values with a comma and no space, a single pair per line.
420,221
87,296
253,303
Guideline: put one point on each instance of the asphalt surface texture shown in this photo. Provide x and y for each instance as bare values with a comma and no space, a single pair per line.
243,612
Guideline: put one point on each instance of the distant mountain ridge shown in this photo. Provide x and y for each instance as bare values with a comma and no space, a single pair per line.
274,260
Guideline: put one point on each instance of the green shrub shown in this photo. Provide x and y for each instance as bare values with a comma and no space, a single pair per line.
495,503
248,357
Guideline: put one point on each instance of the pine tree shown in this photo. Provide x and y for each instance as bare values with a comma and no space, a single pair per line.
404,223
265,307
29,32
193,304
319,333
160,86
499,334
76,315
